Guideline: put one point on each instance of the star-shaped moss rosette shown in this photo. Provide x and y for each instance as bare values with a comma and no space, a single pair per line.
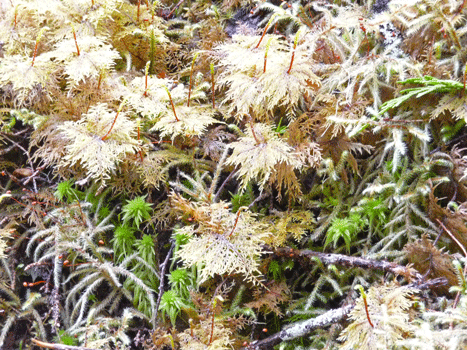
222,242
185,121
263,73
98,141
259,153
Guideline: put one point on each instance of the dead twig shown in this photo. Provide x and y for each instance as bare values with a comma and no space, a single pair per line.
45,345
301,329
351,261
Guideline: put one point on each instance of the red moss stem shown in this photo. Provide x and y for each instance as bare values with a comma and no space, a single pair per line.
76,42
137,15
253,132
293,56
99,81
366,310
172,104
236,221
176,7
35,53
213,307
41,32
16,16
112,126
145,86
31,284
266,29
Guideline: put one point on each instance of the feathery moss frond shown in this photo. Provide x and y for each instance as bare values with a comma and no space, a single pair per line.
86,146
223,242
258,153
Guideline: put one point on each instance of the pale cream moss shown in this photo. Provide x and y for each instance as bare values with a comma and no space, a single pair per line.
222,242
147,97
92,17
200,335
95,58
258,155
259,85
86,146
388,312
23,81
30,17
192,121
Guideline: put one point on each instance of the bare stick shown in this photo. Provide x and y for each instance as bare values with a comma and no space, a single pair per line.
351,261
219,191
301,329
45,345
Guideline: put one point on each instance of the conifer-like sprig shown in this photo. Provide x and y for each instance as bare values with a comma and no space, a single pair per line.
404,195
19,310
108,333
93,273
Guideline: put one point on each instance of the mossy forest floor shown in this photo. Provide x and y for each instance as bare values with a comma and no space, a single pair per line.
237,174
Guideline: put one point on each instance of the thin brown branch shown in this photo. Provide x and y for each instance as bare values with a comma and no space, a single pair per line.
430,284
173,10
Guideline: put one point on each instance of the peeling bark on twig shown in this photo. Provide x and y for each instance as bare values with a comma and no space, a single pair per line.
301,329
351,261
431,284
58,346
